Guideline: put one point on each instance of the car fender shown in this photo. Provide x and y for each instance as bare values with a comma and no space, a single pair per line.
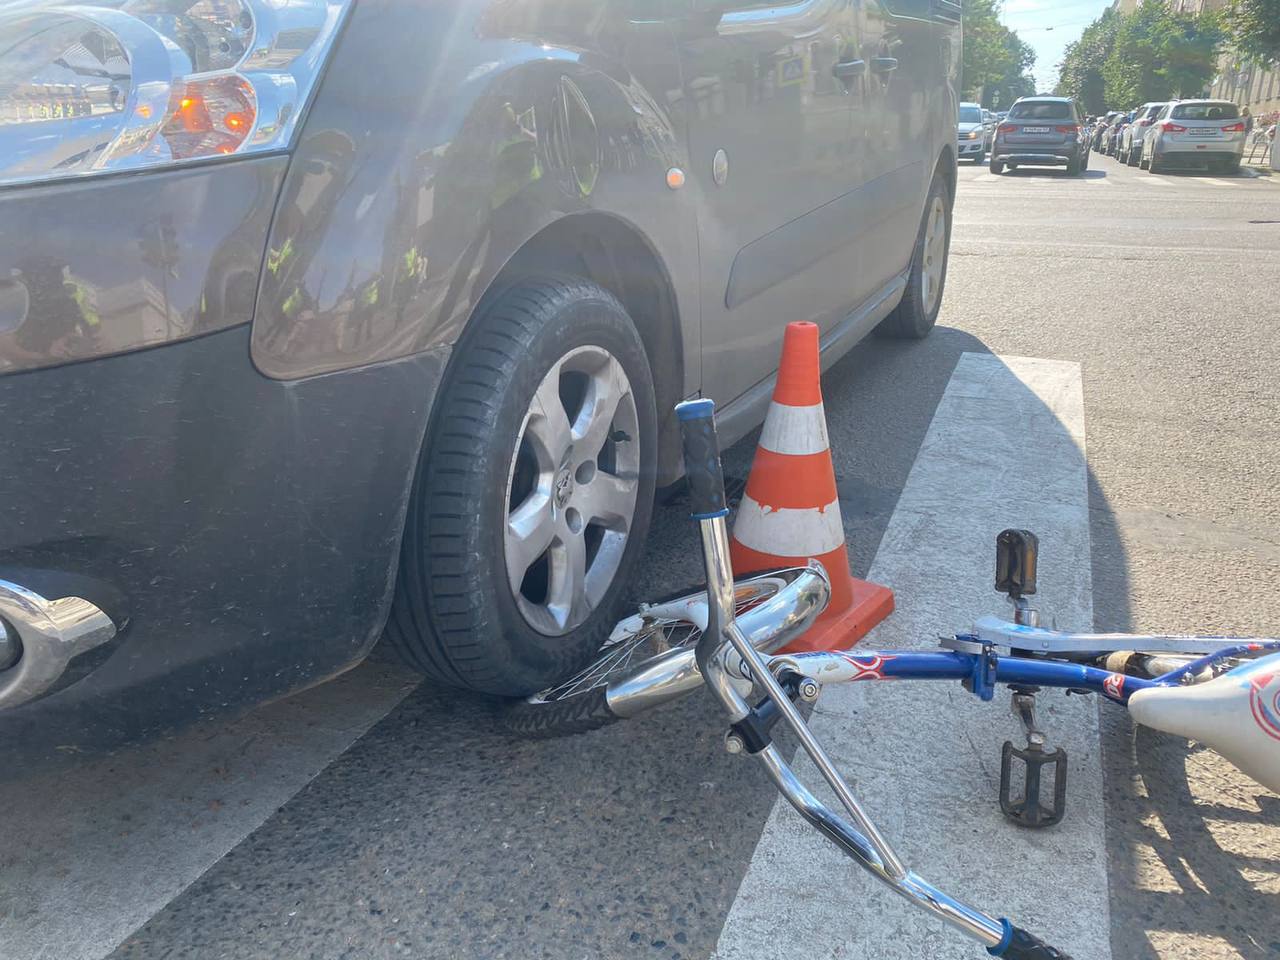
444,137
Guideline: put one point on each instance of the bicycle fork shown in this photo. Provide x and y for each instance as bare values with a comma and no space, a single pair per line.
750,725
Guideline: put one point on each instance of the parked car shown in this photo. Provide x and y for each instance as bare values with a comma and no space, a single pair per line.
1041,131
1100,130
1131,139
1195,134
370,317
971,134
1111,139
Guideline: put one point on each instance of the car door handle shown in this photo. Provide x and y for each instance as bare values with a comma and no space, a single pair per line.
849,68
884,64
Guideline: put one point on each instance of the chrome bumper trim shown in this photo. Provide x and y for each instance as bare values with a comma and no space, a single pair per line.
51,633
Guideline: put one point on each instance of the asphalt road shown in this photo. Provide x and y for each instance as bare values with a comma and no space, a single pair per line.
378,817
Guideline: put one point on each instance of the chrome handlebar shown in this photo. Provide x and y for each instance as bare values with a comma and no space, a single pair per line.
861,840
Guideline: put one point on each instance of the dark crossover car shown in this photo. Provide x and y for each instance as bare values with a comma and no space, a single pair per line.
1042,131
325,320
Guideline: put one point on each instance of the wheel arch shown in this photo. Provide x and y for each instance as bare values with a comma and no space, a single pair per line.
946,165
613,252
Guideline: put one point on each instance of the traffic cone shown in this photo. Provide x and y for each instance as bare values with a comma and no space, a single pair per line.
791,512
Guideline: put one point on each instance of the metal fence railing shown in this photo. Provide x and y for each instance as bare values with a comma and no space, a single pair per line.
1260,145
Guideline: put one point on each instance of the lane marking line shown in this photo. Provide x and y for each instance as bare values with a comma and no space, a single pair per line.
1220,183
1005,448
1153,180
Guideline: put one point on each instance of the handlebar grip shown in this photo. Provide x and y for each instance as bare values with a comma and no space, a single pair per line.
702,458
1020,945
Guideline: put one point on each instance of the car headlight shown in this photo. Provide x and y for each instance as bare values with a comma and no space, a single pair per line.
114,85
973,134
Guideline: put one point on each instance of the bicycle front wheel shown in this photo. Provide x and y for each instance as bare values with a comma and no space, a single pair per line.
649,657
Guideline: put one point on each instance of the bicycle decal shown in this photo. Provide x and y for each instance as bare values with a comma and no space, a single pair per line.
870,666
1113,686
1266,714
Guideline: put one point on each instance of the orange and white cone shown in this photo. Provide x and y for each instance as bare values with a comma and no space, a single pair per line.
791,511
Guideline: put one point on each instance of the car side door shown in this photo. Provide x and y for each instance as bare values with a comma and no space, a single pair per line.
766,90
906,110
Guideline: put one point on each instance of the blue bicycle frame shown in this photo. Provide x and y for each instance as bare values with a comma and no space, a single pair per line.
983,670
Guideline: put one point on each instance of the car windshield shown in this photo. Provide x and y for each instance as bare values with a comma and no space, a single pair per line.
970,114
1205,111
1041,110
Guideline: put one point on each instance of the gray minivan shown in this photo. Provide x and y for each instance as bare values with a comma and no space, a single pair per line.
326,320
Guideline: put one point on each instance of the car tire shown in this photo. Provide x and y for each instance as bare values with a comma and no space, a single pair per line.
1153,166
917,311
539,358
1231,166
980,159
996,166
1073,167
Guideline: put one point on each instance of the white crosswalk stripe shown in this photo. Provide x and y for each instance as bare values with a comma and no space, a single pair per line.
1215,181
1151,181
921,753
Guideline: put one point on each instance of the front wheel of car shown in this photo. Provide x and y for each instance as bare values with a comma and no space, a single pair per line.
917,311
533,494
996,166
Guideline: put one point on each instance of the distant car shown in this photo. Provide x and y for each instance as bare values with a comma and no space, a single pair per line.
1100,126
1130,151
971,136
1111,139
1196,134
1041,131
989,122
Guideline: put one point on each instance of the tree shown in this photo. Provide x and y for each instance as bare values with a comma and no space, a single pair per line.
994,58
1080,73
1152,53
1017,80
1254,28
1160,55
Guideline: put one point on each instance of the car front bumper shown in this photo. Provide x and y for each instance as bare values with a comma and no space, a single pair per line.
240,532
967,148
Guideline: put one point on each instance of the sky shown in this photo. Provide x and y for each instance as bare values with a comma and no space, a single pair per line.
1049,25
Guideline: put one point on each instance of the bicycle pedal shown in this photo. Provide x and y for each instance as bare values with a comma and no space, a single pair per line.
1028,810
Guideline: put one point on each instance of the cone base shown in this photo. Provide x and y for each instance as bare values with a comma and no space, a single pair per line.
841,629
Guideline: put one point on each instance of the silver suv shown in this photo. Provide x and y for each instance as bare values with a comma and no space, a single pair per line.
1041,131
1195,134
1131,140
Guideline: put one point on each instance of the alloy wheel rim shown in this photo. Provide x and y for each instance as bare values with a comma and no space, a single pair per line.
572,489
935,253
